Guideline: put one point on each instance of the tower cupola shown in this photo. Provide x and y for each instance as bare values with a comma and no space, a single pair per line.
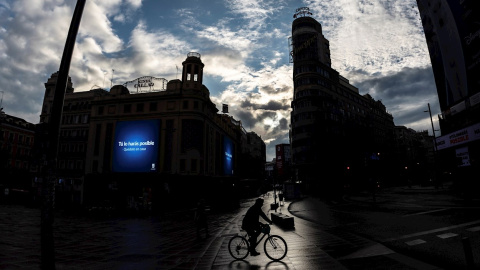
192,75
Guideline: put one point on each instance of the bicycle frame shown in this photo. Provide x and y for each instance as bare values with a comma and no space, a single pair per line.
258,242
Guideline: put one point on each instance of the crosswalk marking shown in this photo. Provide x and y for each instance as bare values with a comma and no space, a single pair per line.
431,231
427,212
415,242
447,235
474,229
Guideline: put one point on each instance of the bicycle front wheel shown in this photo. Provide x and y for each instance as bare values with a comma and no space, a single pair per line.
275,247
238,247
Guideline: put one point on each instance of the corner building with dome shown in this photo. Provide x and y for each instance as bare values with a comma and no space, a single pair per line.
339,138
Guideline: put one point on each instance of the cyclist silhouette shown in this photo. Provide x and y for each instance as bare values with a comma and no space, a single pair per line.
251,224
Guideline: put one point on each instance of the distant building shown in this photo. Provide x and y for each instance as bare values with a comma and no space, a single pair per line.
414,157
333,127
270,169
17,138
252,157
16,141
148,134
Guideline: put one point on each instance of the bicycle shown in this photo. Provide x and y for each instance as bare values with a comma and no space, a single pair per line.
275,246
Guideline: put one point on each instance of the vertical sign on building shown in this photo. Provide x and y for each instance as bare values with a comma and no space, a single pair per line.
280,159
228,153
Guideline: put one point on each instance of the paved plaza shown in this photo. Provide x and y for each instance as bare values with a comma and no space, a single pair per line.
170,242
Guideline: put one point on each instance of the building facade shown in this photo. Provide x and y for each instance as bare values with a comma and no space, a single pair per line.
451,32
415,160
17,138
333,127
163,139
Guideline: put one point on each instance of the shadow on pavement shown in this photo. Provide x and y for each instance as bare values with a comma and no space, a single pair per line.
242,264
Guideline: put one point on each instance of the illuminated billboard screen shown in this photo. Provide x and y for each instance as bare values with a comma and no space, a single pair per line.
228,149
135,147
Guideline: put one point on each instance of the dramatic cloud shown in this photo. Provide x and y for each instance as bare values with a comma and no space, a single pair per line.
378,45
406,95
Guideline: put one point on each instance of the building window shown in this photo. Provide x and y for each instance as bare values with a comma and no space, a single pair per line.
189,71
171,105
153,106
185,104
96,148
79,165
100,110
193,165
95,166
112,109
182,165
127,108
140,107
195,104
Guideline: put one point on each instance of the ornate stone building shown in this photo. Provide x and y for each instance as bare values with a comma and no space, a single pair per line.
166,137
334,130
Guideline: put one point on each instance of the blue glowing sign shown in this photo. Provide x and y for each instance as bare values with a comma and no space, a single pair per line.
135,147
228,151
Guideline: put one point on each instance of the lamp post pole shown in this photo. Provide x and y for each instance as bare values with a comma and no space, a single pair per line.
435,178
433,129
48,183
1,101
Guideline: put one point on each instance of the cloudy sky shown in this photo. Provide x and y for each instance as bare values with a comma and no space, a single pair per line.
378,45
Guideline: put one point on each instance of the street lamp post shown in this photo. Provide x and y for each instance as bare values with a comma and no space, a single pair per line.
1,101
433,129
48,183
434,147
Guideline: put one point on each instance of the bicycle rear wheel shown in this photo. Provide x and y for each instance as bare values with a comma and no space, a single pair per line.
238,247
275,247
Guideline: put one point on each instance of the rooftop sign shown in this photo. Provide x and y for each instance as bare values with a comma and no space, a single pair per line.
302,12
146,84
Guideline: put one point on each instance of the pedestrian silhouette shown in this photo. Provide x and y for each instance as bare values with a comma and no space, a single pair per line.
252,225
201,218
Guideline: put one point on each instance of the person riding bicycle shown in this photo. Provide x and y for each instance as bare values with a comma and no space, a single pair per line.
252,225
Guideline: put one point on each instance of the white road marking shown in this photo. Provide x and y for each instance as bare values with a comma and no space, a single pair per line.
447,235
474,229
431,231
426,212
415,242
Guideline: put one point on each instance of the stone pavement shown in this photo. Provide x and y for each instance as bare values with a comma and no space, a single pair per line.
109,242
303,249
310,247
106,242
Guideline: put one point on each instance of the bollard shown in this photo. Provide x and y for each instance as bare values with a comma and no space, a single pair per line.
467,248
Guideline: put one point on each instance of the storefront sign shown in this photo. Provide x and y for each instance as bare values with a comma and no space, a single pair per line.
469,134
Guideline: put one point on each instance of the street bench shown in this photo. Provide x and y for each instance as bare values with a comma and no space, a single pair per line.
283,220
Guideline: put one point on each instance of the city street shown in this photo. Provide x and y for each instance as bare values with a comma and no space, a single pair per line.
403,229
429,224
